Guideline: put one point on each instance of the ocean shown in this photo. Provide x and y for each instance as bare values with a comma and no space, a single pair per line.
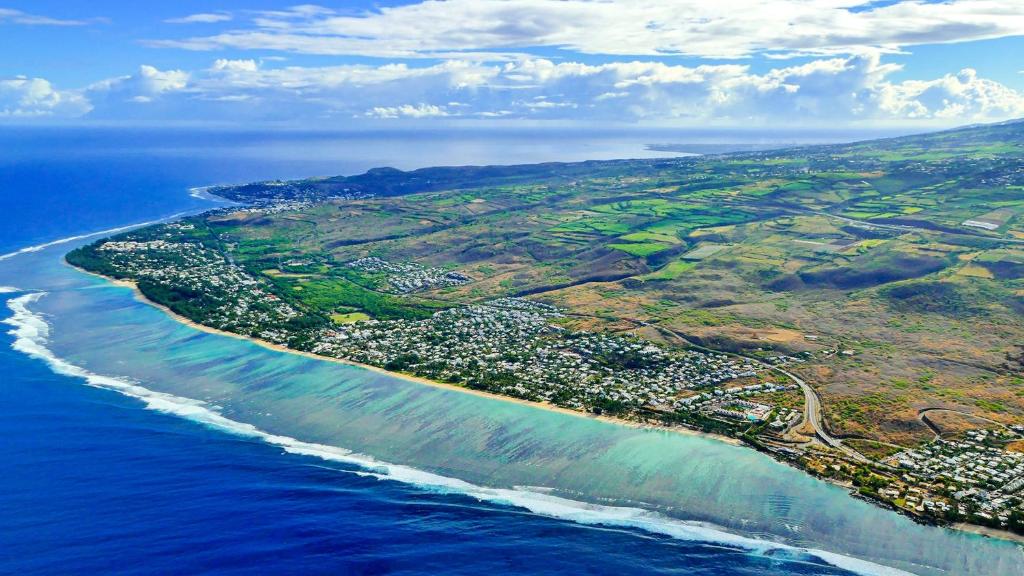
136,445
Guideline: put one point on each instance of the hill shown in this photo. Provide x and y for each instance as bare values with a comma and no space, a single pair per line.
884,277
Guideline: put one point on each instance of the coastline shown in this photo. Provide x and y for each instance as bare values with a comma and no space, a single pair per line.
975,529
988,532
408,377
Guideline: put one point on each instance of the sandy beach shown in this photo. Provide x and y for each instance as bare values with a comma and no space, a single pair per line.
408,377
964,527
989,532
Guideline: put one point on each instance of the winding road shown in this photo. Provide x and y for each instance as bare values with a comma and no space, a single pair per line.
812,414
904,227
922,415
812,402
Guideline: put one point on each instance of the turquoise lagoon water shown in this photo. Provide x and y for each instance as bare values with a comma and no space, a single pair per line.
553,464
336,469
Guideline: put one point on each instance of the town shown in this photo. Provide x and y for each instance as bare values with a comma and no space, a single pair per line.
509,346
406,277
814,303
520,348
197,281
974,475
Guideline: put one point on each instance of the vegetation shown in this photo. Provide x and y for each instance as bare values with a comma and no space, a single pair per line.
877,261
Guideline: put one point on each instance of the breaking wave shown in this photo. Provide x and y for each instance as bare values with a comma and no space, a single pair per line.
39,247
201,193
31,332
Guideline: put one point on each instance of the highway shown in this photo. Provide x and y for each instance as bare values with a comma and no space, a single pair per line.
812,414
904,227
812,403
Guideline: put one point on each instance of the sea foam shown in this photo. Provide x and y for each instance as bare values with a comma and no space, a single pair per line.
200,193
40,247
31,332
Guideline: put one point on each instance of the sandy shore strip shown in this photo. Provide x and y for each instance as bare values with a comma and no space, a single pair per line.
960,526
989,532
408,377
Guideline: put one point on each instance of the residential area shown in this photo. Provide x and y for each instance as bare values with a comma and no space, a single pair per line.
813,303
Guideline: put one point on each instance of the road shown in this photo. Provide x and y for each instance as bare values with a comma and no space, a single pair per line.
923,413
812,414
905,227
812,403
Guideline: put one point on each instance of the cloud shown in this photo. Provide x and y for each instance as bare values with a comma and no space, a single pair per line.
482,29
201,18
395,79
22,98
826,91
225,65
407,111
146,85
954,96
10,16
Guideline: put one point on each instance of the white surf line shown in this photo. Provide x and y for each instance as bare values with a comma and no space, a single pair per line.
31,332
8,289
197,192
200,193
39,247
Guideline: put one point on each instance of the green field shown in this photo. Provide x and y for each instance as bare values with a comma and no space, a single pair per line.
855,255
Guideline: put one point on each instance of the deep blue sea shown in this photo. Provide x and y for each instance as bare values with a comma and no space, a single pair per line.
93,482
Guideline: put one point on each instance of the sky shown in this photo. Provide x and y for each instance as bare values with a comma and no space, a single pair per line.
747,63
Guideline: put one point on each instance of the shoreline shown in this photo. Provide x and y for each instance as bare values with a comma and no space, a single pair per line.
987,532
976,529
408,377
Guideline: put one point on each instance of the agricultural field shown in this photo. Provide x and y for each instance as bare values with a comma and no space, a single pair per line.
895,268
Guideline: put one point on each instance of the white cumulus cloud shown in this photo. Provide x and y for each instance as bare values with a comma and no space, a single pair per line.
407,111
23,97
143,86
834,91
955,96
223,64
128,97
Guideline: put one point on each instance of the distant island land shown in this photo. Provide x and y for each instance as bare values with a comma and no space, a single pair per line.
856,310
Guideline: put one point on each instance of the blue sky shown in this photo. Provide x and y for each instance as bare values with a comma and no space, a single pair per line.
647,62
